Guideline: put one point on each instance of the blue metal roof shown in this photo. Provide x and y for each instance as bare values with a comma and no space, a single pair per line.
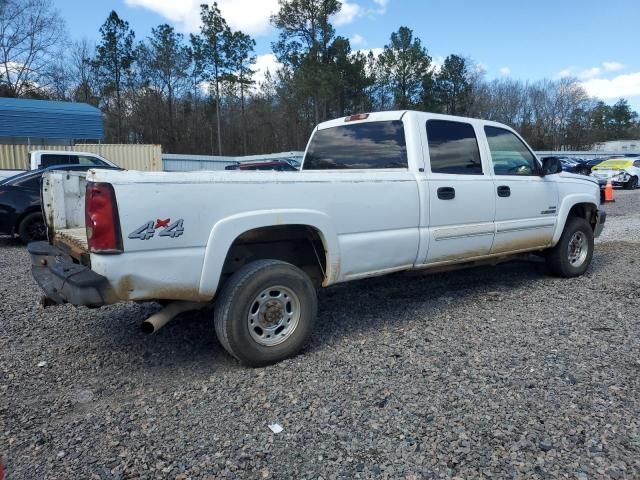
49,120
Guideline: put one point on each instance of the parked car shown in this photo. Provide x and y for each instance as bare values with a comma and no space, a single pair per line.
570,164
592,162
623,172
39,159
278,165
377,193
20,204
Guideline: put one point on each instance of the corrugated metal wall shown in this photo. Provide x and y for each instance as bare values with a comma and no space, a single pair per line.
131,157
25,118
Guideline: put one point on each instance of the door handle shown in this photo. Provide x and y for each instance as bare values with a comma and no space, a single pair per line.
446,193
504,191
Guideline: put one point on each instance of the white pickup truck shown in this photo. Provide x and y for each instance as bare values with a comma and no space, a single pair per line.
377,193
39,159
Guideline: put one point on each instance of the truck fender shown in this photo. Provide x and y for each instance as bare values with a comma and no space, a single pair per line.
225,232
568,203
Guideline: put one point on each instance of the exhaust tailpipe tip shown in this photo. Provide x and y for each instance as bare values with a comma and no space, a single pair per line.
159,319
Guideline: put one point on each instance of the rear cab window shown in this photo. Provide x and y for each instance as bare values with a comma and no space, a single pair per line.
453,148
31,182
371,145
52,159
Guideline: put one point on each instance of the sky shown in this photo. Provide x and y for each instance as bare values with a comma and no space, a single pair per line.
595,41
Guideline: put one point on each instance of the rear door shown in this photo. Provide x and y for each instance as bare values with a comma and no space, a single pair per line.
461,199
526,203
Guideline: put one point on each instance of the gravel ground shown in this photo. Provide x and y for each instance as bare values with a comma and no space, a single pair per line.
497,372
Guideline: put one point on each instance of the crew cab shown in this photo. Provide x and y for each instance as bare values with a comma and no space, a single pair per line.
377,193
41,159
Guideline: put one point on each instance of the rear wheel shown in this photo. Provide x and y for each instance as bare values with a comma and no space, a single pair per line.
32,228
572,255
631,184
265,312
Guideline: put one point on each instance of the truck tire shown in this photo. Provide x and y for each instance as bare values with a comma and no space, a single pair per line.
572,255
631,184
265,312
32,228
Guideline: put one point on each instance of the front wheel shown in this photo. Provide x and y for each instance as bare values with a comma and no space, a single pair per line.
265,312
572,255
631,184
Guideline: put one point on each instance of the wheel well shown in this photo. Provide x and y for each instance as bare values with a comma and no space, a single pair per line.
300,245
588,211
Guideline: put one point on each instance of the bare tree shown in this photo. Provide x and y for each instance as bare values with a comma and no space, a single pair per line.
30,31
82,71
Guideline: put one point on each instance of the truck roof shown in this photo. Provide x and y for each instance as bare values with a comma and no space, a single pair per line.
398,115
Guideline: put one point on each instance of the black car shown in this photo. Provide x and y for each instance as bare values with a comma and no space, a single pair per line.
20,203
589,164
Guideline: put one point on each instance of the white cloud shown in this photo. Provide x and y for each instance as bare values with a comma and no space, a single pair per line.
481,68
347,14
589,73
264,63
620,86
376,51
505,71
357,40
612,66
437,63
564,73
382,6
250,16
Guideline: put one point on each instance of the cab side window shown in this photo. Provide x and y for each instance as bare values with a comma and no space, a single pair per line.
453,148
509,155
636,164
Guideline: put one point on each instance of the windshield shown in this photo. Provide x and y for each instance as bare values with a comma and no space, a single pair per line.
614,164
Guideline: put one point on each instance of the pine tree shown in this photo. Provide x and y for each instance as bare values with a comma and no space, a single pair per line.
115,55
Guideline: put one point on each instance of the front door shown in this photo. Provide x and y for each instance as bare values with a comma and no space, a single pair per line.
461,197
526,203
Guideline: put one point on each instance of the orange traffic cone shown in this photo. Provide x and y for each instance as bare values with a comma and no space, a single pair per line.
608,192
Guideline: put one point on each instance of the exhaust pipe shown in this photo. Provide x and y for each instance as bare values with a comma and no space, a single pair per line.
159,319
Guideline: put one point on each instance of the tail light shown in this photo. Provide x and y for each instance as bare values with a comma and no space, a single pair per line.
103,222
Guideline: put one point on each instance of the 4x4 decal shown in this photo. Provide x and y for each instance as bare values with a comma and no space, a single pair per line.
148,230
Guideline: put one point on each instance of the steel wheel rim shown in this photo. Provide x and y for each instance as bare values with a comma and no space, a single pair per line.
274,314
578,249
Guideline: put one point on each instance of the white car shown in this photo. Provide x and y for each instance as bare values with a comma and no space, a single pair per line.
623,172
377,193
39,159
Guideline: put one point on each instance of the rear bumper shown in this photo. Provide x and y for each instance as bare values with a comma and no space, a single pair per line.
601,218
64,281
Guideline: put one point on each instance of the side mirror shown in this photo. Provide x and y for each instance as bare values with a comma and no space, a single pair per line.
551,166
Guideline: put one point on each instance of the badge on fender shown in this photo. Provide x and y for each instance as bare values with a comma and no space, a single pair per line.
148,230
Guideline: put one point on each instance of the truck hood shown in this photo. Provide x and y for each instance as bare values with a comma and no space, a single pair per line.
576,176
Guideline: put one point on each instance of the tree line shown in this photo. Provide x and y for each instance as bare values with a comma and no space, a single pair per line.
198,93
